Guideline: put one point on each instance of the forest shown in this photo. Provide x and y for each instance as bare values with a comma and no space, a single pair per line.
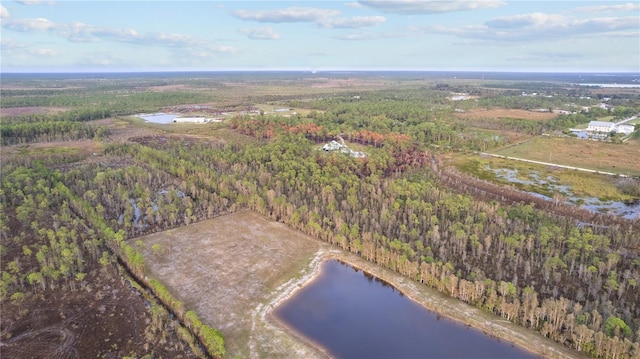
65,219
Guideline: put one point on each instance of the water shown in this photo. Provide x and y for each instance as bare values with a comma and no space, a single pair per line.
159,117
354,315
592,204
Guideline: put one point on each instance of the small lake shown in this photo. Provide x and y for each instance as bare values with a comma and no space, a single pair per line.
159,117
352,314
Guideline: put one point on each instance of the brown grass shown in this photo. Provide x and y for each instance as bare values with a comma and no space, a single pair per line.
506,113
19,111
595,155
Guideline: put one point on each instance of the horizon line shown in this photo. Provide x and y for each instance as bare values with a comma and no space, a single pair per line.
315,71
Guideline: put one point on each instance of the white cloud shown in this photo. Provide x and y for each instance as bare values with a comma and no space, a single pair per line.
8,44
35,2
355,5
547,56
3,12
101,59
360,36
22,50
540,27
28,25
80,32
603,8
413,7
262,33
524,20
44,52
292,14
352,22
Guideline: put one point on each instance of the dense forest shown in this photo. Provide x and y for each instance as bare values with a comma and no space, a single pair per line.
64,221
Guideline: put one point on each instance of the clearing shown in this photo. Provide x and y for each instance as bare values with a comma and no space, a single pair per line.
228,270
506,113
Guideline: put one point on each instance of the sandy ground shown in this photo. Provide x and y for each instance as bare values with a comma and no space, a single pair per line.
235,269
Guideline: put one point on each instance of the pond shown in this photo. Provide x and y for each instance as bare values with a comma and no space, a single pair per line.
352,314
159,117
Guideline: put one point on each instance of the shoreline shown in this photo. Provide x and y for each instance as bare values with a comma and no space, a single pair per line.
429,298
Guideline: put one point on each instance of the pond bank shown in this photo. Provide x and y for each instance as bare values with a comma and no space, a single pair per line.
429,298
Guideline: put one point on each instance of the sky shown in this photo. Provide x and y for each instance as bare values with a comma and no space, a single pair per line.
452,35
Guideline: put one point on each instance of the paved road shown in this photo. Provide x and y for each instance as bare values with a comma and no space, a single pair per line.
626,120
553,164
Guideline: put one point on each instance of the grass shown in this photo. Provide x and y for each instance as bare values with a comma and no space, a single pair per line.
595,155
582,184
27,150
591,185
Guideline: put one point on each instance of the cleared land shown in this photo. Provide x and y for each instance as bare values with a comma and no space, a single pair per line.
228,270
506,113
600,156
233,270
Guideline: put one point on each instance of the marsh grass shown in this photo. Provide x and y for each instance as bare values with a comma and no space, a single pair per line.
543,178
592,185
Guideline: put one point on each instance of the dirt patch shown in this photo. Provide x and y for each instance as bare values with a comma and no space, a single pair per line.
507,113
228,270
164,88
19,111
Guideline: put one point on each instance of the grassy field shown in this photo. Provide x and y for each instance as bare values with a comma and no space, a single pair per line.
507,113
600,156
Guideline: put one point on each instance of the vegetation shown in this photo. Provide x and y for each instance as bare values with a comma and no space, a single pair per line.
396,207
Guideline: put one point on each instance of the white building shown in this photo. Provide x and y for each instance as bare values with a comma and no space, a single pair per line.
600,126
191,120
332,146
335,146
626,129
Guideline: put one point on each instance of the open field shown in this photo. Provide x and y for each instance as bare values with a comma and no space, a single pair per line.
234,269
227,269
506,113
19,111
600,156
53,148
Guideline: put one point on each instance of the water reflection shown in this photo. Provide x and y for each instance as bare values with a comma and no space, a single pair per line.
355,315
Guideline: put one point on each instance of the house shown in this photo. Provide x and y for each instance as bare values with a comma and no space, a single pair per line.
332,146
335,146
600,126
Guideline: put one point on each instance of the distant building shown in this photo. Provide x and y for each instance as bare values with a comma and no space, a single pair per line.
600,126
191,120
626,129
334,146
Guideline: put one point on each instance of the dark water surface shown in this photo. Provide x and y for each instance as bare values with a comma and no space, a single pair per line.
354,315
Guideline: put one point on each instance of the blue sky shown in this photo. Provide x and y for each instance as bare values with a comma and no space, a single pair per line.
486,35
